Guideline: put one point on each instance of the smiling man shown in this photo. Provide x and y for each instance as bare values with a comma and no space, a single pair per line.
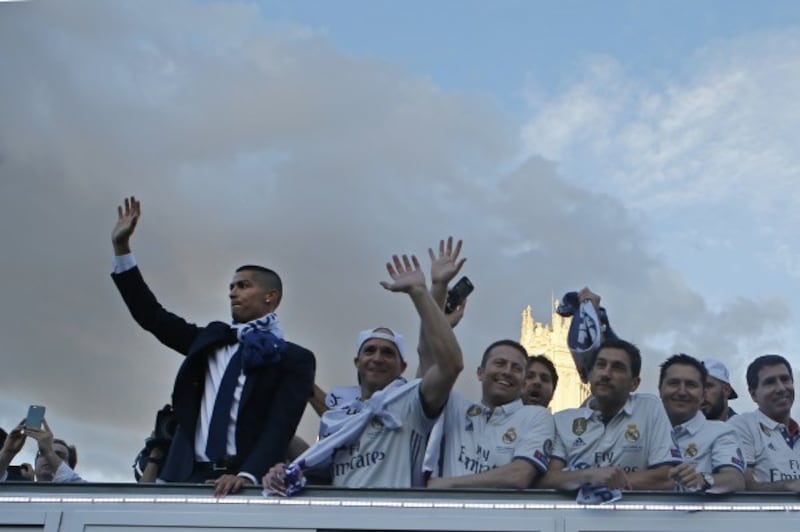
769,437
713,461
620,440
378,439
497,442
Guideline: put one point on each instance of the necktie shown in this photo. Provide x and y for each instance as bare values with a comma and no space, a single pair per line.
216,447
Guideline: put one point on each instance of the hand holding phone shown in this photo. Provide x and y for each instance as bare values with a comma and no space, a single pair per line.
35,417
457,294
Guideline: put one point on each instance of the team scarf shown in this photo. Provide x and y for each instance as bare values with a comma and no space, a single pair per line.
341,427
261,342
586,332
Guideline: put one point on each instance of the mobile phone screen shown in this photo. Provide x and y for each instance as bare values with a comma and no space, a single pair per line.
35,417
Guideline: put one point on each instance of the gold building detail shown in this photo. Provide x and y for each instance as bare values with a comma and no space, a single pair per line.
551,341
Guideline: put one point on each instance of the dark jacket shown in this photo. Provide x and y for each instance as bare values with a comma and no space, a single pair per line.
273,398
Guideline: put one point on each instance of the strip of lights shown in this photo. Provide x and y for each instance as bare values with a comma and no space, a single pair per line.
415,505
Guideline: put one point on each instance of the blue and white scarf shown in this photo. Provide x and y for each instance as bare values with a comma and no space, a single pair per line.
586,332
261,342
339,427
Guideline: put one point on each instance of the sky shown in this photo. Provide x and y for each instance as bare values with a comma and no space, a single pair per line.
640,148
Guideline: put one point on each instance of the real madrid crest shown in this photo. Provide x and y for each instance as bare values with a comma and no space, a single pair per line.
578,426
691,450
510,435
474,410
632,434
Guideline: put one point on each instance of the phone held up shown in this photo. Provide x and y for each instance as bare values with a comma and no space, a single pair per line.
457,294
35,417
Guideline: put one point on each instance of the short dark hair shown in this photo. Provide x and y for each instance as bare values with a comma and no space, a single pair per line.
3,435
761,362
268,279
498,343
687,360
72,457
617,343
546,362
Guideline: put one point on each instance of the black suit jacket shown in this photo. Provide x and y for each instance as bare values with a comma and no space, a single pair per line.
273,399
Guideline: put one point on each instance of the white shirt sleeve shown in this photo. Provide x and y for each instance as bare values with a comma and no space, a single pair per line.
123,263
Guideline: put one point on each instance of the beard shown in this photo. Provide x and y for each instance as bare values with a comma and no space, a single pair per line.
714,410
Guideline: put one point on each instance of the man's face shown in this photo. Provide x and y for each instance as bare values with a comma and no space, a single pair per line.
249,300
775,392
715,398
44,473
378,363
502,375
681,392
538,386
611,379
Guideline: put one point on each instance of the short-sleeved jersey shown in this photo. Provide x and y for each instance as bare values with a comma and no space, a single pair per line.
768,447
341,396
383,458
709,445
477,438
638,437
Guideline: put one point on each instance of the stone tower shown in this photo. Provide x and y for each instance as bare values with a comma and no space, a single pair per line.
551,341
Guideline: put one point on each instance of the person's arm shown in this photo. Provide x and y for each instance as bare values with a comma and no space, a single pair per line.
558,477
13,445
439,379
317,400
517,474
661,452
170,329
779,485
653,478
155,459
296,447
444,268
44,437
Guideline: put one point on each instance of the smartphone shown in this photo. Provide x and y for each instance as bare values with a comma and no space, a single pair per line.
35,417
457,294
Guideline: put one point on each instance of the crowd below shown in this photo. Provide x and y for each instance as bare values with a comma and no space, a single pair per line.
242,388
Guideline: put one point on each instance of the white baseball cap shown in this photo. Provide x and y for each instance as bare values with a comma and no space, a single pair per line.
719,371
380,332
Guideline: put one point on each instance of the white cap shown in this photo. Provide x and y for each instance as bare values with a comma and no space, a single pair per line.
719,371
379,332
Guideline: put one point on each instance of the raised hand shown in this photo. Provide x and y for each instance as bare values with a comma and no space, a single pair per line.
586,294
455,317
406,274
446,265
44,436
127,218
15,440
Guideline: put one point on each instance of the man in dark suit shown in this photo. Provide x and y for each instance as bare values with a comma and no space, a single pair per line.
241,390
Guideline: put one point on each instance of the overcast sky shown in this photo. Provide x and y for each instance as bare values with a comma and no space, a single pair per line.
641,149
